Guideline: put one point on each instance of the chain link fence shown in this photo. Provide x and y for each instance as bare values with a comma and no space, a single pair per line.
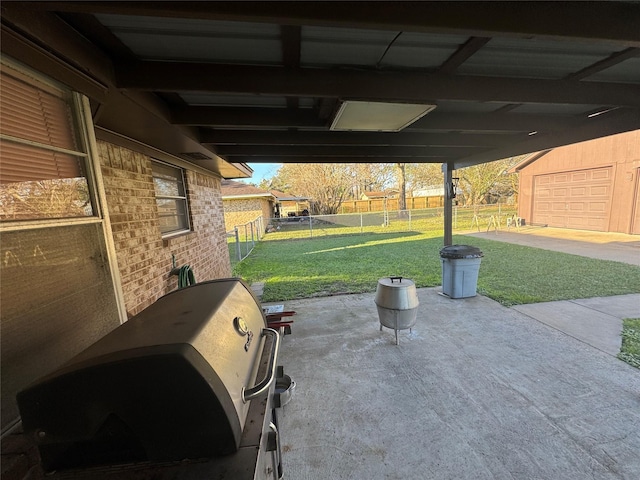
479,217
243,238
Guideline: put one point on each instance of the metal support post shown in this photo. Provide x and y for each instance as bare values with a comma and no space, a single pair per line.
447,168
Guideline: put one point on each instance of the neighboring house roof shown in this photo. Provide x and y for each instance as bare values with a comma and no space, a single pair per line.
433,191
231,189
387,193
281,196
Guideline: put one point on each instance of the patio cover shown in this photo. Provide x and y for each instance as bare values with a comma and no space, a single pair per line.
223,84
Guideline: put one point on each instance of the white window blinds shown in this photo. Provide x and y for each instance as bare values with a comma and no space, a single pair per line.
42,166
38,139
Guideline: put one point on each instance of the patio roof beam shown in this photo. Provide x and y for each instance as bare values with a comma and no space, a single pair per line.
15,45
608,62
332,159
91,28
495,122
540,19
345,150
291,47
272,118
37,38
254,137
248,117
370,85
610,123
463,53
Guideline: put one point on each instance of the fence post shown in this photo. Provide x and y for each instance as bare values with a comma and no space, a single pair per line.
361,224
238,252
310,226
409,220
253,241
246,239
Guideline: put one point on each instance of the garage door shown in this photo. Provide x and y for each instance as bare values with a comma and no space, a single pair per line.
580,199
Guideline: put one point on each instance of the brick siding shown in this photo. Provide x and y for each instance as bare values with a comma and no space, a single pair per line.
244,210
144,258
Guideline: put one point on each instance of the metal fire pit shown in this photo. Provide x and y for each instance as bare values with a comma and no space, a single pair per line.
397,303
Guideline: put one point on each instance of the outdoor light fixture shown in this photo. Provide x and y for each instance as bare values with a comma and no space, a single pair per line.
378,116
453,187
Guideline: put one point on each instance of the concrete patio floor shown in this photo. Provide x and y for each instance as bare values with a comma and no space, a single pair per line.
475,391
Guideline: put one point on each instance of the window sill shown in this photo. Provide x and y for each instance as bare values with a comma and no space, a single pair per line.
175,237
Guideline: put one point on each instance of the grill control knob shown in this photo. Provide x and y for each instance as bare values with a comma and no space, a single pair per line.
240,326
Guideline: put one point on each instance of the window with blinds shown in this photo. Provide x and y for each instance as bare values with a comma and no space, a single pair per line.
171,198
56,286
42,174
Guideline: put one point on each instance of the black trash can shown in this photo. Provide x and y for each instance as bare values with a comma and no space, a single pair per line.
460,267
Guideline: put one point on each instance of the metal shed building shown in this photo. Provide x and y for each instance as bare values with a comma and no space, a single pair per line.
588,185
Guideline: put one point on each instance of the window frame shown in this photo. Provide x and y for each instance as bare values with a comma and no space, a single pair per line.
83,151
181,200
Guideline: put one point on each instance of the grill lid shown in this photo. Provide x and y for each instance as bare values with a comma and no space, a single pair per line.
166,385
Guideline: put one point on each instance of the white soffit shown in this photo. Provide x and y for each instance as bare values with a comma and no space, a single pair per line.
378,116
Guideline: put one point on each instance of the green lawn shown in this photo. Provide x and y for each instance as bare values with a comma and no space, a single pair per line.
510,274
630,351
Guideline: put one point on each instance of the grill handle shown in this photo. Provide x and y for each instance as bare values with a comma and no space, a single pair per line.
263,386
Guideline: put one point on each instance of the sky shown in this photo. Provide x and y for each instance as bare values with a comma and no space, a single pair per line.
262,170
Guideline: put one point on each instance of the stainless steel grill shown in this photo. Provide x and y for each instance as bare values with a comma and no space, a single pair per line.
174,383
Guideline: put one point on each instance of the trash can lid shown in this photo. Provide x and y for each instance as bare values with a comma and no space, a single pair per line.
460,251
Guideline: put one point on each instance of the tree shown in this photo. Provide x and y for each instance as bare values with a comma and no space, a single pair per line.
273,183
479,181
369,177
422,175
402,182
326,185
53,198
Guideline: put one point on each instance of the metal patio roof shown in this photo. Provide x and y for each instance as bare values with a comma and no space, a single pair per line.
261,81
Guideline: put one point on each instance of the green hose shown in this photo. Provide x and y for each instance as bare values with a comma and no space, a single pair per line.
186,276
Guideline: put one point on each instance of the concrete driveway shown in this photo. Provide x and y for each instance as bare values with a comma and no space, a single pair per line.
619,247
476,391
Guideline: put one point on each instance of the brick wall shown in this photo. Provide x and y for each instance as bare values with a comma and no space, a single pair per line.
244,210
144,258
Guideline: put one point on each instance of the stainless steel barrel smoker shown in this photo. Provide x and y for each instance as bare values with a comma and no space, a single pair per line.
397,302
